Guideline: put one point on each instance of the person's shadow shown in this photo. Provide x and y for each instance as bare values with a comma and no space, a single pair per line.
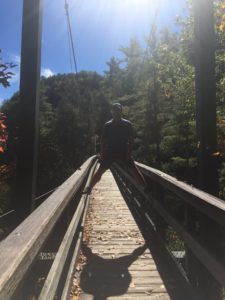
103,278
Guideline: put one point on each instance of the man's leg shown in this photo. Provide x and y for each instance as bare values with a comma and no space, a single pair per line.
96,178
133,170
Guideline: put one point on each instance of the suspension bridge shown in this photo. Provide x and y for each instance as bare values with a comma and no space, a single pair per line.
119,242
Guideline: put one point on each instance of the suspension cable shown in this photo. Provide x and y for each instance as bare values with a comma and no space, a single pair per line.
36,199
7,213
70,34
45,194
70,50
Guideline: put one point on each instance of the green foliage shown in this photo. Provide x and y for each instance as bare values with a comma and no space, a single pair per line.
5,73
222,180
174,243
156,86
73,109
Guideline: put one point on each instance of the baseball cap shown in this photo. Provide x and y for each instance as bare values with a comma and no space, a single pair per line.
116,106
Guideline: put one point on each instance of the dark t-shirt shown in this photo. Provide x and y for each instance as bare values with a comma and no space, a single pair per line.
116,136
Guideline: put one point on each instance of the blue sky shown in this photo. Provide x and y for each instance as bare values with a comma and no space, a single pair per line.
100,28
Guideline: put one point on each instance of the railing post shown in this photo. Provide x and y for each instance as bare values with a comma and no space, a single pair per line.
206,95
191,263
159,222
206,131
29,106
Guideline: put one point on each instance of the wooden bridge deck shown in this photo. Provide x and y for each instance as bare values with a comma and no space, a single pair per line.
115,262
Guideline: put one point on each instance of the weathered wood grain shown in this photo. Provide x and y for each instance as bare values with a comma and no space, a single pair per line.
118,263
209,205
67,286
51,282
212,263
20,248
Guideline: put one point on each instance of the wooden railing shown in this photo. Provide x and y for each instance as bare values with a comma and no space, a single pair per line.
38,257
187,221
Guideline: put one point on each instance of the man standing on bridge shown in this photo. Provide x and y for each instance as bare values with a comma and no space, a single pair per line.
116,146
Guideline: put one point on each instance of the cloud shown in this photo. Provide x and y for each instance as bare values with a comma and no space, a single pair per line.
15,77
46,72
15,58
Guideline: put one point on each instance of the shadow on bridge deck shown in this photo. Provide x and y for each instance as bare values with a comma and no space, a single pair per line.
104,277
116,261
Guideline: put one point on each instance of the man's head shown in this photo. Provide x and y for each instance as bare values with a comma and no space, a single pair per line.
116,111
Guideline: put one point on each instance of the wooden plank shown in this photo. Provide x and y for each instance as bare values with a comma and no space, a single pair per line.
215,266
51,283
120,267
205,86
20,248
131,296
147,297
29,102
209,205
68,281
67,286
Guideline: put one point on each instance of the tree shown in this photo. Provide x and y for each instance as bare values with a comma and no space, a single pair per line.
114,78
3,133
5,73
5,76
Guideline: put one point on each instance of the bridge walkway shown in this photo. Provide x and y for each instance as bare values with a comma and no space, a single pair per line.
172,260
115,263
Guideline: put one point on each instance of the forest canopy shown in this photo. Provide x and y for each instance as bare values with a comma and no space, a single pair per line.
155,84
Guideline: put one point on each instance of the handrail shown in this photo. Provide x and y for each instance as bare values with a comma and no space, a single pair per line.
51,283
209,205
20,249
206,204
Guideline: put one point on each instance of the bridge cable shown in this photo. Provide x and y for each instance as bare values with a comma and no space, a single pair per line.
70,35
36,199
7,213
45,194
70,50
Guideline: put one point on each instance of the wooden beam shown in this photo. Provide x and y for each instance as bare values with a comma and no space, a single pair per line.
205,95
209,230
210,261
29,105
52,280
207,204
51,283
212,212
20,249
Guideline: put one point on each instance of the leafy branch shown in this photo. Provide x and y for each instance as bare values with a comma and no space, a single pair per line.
5,72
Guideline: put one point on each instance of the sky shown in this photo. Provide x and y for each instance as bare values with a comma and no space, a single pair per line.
99,28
